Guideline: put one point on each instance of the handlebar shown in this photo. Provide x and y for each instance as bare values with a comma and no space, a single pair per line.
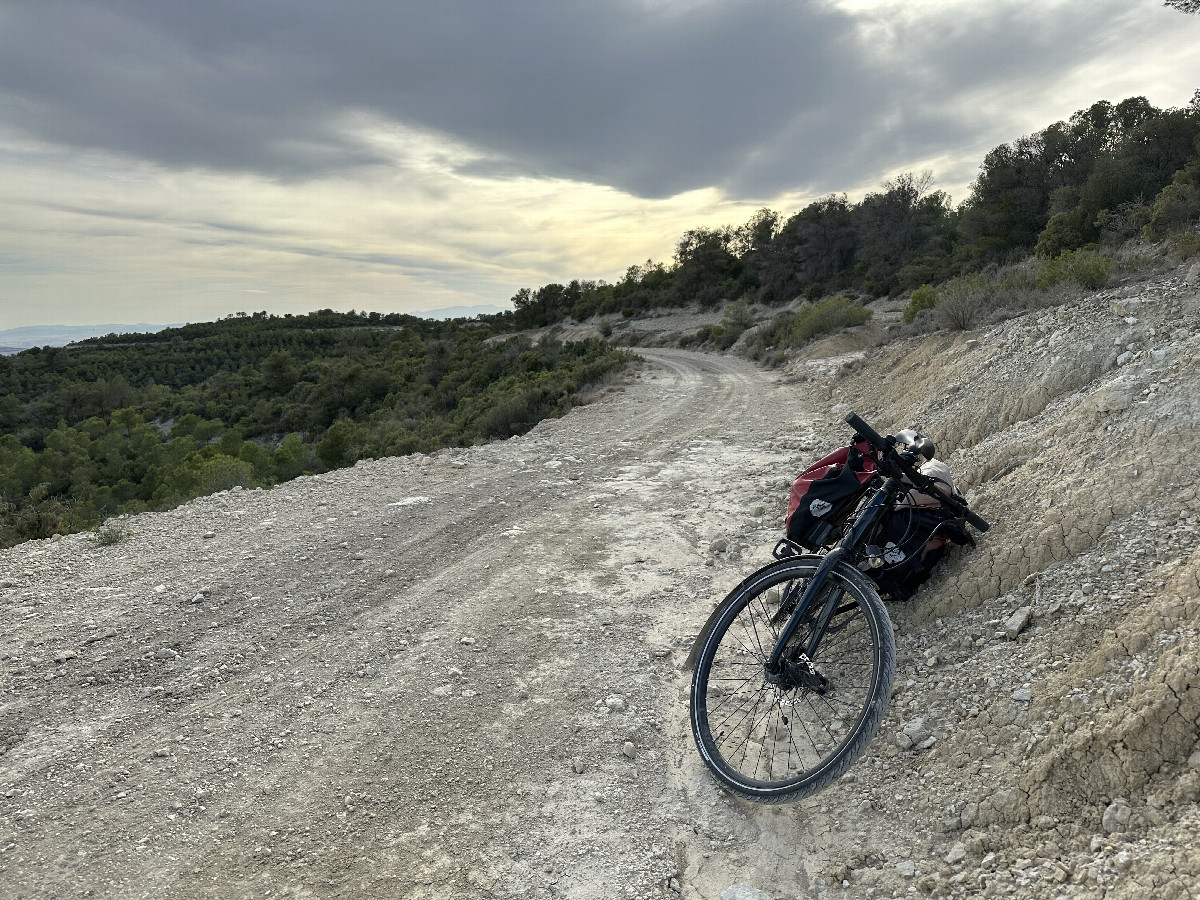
887,446
855,422
975,520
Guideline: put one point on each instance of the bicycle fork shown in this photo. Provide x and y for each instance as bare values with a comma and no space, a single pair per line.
800,671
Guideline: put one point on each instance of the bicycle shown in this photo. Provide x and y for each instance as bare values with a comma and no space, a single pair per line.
793,670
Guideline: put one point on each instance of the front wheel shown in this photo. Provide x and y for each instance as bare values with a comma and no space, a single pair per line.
769,739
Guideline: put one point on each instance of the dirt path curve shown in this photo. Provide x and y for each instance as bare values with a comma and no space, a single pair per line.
455,676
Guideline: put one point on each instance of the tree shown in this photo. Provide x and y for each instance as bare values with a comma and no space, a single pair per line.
1009,202
816,244
898,225
706,268
1186,6
280,372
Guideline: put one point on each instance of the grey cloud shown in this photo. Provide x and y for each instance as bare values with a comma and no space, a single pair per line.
756,96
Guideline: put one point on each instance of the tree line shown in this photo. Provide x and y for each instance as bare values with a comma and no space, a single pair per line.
148,421
1109,173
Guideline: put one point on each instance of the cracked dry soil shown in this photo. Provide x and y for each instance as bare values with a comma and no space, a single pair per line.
460,675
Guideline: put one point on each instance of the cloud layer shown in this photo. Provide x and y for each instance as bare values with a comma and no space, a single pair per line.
464,148
755,96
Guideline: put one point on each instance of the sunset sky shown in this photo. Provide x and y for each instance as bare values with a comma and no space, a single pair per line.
177,161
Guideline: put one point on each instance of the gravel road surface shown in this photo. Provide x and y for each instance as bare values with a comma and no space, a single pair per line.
444,676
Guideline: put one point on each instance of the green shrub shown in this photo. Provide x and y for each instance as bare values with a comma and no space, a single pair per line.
1085,267
1053,272
1019,277
337,448
515,413
291,458
738,315
1186,244
810,321
1061,234
924,297
1120,224
1176,208
973,285
109,533
38,516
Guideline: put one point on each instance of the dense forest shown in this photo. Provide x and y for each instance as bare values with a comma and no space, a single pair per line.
147,421
1108,174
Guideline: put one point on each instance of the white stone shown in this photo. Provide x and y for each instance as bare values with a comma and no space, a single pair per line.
1111,398
743,891
1016,623
1116,816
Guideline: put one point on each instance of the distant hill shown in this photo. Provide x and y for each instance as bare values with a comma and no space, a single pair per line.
14,340
451,312
137,421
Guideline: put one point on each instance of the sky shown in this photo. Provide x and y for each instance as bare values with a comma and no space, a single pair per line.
169,161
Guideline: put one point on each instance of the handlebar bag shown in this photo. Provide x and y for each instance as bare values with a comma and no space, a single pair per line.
826,493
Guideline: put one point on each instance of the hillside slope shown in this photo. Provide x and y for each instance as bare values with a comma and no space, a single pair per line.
460,675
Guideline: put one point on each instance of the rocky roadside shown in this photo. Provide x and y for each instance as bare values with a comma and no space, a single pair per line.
1043,742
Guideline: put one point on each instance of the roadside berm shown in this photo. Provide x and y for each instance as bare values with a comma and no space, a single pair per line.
462,675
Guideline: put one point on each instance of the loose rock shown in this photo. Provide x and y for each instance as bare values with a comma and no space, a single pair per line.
1017,622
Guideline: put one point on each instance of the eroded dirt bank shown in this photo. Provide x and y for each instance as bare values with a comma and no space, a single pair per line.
459,676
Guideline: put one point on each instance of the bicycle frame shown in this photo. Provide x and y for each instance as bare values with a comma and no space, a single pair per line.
863,524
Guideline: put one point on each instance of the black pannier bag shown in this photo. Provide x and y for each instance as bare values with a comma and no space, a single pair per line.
913,539
914,536
826,493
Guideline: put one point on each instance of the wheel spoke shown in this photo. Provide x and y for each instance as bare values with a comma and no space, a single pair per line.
766,740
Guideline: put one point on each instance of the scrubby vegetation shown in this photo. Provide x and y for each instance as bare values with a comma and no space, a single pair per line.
1071,193
1086,268
923,298
133,422
810,321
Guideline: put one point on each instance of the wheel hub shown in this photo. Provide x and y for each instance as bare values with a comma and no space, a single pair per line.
799,673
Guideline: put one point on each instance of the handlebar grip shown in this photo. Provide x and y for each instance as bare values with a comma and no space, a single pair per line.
976,521
855,421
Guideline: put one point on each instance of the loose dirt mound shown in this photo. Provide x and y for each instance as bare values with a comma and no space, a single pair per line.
460,676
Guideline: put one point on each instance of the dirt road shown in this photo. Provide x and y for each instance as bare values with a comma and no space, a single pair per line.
455,676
